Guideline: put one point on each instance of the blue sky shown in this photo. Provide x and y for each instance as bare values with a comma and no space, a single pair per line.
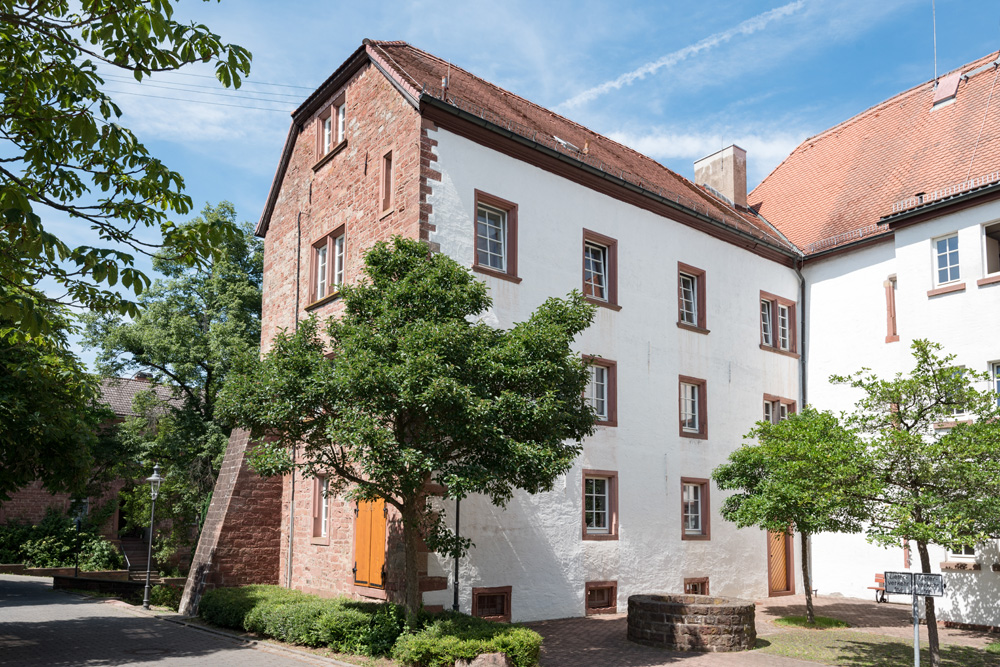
674,80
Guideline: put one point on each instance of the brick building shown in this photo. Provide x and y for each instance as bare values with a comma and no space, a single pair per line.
696,337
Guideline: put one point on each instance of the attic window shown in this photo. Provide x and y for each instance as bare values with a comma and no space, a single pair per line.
946,89
565,144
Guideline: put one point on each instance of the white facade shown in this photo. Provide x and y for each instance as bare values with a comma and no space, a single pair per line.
536,545
846,322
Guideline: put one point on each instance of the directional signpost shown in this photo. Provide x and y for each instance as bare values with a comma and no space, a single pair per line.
918,585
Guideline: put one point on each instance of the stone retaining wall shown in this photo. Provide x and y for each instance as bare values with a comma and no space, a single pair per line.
692,622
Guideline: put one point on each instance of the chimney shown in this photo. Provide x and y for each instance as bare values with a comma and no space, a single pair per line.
725,173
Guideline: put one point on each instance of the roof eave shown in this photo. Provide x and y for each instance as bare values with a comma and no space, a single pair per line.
429,100
940,207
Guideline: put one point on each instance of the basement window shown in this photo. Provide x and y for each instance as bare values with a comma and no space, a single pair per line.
696,586
492,603
602,597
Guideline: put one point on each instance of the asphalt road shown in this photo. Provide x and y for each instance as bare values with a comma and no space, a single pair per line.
39,626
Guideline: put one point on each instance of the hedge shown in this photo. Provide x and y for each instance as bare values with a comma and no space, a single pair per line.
365,628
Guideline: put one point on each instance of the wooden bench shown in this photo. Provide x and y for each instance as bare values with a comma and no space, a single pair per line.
879,588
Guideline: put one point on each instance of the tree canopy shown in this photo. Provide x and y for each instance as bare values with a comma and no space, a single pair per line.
805,472
64,152
191,327
409,386
51,419
933,439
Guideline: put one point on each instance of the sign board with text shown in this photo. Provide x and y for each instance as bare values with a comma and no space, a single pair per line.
928,585
899,583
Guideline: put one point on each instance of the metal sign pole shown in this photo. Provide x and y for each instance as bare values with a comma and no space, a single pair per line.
919,584
916,630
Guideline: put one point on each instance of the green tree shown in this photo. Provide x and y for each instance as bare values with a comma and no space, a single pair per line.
64,151
410,387
51,420
934,448
191,326
806,472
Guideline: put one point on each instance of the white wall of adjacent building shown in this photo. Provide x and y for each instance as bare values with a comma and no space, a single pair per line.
846,323
535,544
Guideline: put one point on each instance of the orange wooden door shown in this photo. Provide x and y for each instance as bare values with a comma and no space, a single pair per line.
369,543
778,567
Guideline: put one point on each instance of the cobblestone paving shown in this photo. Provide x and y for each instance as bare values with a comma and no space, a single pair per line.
600,640
39,626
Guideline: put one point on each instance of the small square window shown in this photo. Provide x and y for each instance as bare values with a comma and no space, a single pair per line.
696,586
967,552
601,597
991,248
777,409
777,323
492,603
693,408
695,521
691,298
495,237
602,389
946,256
600,269
995,379
327,265
600,505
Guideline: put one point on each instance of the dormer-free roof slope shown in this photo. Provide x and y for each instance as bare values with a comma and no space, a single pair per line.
898,155
419,76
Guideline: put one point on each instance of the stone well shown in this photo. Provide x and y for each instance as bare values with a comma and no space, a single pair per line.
692,622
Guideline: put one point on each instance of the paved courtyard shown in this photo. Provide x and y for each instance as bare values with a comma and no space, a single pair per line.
600,640
39,626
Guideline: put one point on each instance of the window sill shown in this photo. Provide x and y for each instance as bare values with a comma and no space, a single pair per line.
960,566
696,538
988,280
947,289
592,611
604,304
502,275
329,156
320,541
322,302
386,212
691,327
778,350
892,339
951,424
606,422
600,537
694,436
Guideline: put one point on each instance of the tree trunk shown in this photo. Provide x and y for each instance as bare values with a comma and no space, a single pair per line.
411,548
806,582
932,630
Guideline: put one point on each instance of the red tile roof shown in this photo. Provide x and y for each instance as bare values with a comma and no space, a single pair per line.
421,73
836,186
118,393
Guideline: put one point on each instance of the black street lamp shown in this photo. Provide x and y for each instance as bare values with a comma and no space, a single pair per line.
154,487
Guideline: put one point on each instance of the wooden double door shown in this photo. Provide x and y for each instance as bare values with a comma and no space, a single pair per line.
780,571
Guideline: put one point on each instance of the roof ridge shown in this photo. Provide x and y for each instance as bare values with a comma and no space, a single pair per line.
898,96
686,182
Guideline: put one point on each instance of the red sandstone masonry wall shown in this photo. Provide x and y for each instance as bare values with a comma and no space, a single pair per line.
29,504
239,541
345,190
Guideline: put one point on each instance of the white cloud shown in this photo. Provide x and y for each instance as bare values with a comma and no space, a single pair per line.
747,27
765,149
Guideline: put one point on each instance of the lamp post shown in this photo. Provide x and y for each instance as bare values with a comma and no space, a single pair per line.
154,487
76,568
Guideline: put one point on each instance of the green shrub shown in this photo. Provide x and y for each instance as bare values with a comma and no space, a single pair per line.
452,636
366,628
96,553
55,542
166,596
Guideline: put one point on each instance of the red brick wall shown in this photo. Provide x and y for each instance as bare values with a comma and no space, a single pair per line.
240,538
345,190
29,504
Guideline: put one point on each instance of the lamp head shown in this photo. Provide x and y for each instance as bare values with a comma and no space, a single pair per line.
154,481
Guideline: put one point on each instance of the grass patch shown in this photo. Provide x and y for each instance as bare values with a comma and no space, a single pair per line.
848,648
993,648
822,622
